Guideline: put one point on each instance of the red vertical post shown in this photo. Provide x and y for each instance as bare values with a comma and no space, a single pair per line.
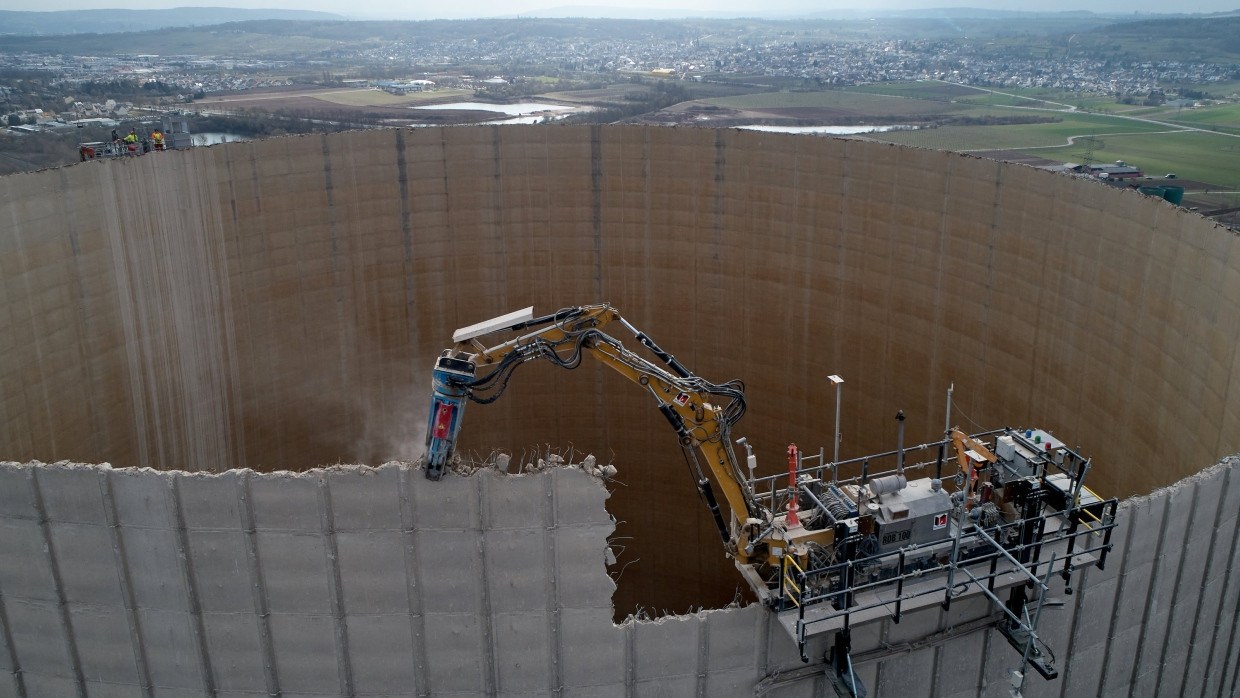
792,485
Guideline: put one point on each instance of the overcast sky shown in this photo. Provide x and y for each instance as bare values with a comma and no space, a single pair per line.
429,9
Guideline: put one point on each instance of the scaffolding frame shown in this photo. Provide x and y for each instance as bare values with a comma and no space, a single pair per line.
1070,531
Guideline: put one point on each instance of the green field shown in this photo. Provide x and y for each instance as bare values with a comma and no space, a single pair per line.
1143,112
1157,148
377,98
921,89
1196,155
1002,137
1220,115
1035,97
627,91
1004,96
999,99
611,94
853,102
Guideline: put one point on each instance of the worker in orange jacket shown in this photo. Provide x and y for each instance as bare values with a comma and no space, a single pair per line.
157,139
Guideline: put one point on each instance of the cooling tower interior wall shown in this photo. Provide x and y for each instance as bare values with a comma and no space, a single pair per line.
278,304
379,582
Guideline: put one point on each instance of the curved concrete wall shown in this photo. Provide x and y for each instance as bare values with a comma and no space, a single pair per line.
277,304
376,581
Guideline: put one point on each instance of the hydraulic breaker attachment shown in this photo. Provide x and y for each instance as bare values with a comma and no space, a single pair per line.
450,382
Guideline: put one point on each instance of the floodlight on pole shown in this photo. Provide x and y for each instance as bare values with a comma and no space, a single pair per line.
835,460
947,426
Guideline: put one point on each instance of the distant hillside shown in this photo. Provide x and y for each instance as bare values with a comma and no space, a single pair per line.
1225,27
291,38
862,24
1215,38
1208,39
14,23
626,13
956,13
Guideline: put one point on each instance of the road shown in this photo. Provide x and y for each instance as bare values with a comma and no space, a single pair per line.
1173,128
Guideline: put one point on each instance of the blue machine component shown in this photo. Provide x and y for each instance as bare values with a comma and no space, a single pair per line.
843,500
450,382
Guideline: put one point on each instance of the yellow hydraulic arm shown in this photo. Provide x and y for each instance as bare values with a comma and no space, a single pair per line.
969,449
964,443
700,412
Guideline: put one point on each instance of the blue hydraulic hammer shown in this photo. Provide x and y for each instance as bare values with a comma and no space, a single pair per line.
450,388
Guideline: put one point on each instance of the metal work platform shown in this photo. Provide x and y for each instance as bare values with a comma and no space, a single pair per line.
891,599
1015,517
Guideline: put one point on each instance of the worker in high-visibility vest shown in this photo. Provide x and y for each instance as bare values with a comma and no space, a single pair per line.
157,138
132,141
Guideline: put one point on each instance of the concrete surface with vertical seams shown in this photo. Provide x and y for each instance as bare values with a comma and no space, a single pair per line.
496,584
277,304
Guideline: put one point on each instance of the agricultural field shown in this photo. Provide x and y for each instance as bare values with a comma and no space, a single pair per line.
1000,96
612,94
626,92
339,102
1192,155
1224,118
1156,113
966,119
355,97
963,123
1222,115
921,89
1003,99
1000,137
844,101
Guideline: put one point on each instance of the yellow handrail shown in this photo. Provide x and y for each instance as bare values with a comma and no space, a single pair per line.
1077,503
788,581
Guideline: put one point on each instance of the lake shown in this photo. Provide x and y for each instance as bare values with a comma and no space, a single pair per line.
518,109
211,138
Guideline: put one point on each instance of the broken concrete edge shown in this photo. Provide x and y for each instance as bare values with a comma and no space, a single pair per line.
470,468
539,460
1206,474
567,513
462,467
